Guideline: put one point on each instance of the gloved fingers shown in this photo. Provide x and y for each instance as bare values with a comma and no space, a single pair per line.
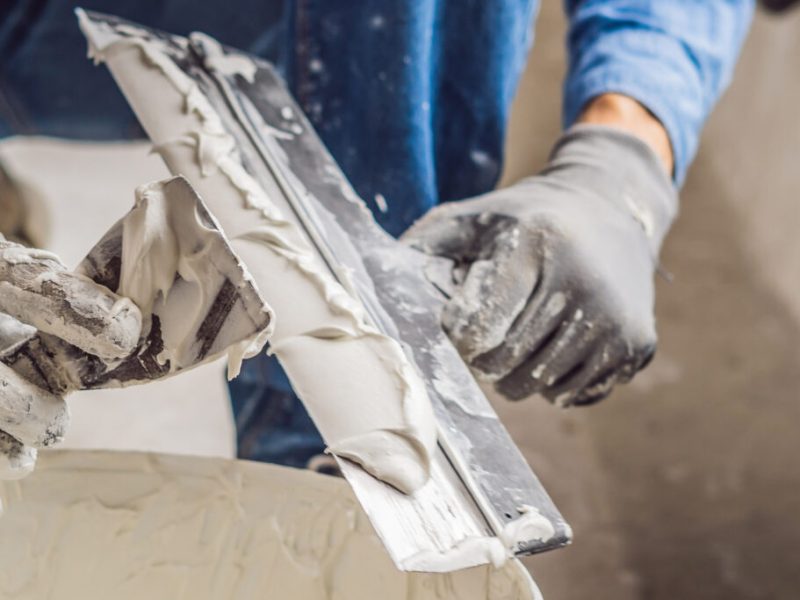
533,328
494,292
443,231
546,368
444,276
609,364
35,288
597,389
565,351
16,459
12,332
30,414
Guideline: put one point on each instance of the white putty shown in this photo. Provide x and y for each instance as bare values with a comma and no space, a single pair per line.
315,65
217,60
16,460
380,202
489,549
165,240
362,391
176,528
531,525
287,113
641,215
555,304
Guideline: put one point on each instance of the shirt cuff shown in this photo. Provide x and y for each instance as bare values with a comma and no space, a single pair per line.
656,91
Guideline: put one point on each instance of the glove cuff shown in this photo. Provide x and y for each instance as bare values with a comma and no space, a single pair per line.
623,169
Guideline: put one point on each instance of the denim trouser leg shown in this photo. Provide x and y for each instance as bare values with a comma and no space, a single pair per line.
272,425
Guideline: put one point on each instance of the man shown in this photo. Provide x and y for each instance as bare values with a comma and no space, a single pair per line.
555,274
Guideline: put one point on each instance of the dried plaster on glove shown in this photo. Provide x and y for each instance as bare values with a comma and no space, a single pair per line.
164,238
365,396
34,416
160,527
13,332
36,289
16,460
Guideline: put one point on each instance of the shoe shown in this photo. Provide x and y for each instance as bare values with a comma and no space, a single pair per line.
24,218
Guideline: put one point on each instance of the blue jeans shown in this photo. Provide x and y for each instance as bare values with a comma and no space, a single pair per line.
272,425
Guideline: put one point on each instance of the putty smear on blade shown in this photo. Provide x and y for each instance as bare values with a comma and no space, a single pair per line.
530,525
164,240
381,419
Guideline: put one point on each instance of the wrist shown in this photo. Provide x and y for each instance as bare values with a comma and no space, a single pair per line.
614,165
625,113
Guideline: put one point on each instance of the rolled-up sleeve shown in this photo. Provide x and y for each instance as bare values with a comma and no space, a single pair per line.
675,57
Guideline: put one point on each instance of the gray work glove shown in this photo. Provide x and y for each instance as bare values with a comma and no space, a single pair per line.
554,275
37,293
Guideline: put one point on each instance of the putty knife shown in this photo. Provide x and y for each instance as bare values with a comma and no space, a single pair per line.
234,312
481,488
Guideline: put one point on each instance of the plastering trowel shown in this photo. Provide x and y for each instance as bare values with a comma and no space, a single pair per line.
229,310
482,502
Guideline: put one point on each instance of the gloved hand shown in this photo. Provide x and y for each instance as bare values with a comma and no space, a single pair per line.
37,292
554,275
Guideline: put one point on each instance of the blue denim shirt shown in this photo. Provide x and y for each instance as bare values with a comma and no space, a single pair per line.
411,97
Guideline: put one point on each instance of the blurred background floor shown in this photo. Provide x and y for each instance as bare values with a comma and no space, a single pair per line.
686,483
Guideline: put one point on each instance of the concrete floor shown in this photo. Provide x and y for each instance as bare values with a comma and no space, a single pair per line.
686,483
